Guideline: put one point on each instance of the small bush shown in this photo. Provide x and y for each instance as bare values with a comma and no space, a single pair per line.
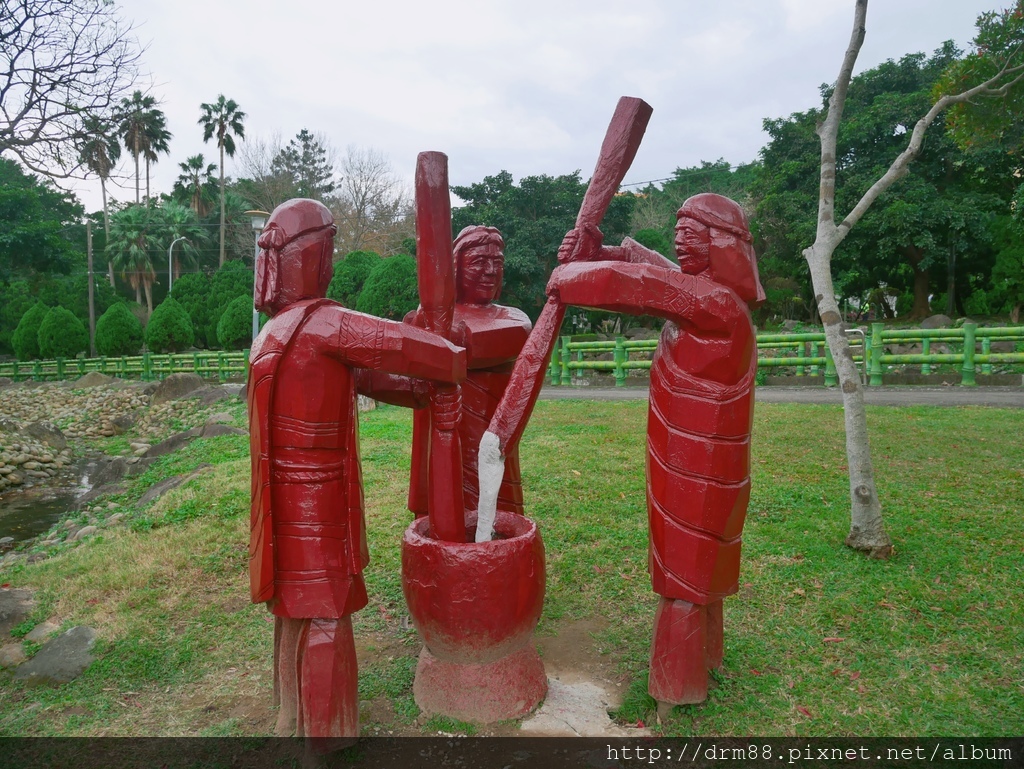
350,275
25,339
118,332
192,292
234,330
656,240
390,288
231,281
170,328
62,335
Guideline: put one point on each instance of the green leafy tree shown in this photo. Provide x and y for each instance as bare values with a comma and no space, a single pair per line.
177,221
234,329
306,165
118,331
100,150
224,120
61,334
72,293
15,300
35,225
350,274
195,185
169,328
133,244
192,292
143,131
390,289
231,281
25,339
533,217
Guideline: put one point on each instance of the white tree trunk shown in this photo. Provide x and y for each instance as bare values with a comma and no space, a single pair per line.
867,530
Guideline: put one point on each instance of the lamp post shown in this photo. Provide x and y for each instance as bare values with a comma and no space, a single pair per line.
170,266
259,221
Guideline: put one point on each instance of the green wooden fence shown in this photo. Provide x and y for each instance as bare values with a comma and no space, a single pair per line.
808,354
212,365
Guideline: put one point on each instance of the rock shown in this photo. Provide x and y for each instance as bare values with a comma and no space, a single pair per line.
210,395
115,519
6,543
61,659
364,403
11,655
92,379
42,631
243,393
790,325
8,425
110,471
48,433
215,431
15,605
937,321
173,443
175,386
221,417
123,423
83,532
157,490
6,381
139,466
108,489
141,451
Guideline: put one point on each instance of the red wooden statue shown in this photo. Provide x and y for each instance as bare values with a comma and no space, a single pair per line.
493,336
308,544
699,420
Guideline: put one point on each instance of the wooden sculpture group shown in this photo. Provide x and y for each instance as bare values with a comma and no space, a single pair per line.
472,562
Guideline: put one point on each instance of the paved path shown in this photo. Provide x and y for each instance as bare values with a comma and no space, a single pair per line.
999,397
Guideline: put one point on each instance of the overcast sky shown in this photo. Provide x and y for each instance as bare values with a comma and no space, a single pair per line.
524,86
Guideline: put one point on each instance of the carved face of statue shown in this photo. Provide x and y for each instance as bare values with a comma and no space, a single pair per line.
480,271
294,262
693,244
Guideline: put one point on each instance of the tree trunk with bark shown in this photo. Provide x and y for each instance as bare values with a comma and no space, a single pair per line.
221,203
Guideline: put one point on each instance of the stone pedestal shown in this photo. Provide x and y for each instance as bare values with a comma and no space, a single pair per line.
475,606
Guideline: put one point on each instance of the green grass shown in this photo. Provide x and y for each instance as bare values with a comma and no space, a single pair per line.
932,639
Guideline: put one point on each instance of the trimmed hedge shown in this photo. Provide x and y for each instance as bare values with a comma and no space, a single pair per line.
350,274
170,328
234,329
62,334
118,331
390,290
25,339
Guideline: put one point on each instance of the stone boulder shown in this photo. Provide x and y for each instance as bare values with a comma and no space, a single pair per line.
48,433
15,605
175,386
92,379
6,381
178,440
61,659
937,321
108,471
157,490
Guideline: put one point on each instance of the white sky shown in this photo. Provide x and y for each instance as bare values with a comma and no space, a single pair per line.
524,86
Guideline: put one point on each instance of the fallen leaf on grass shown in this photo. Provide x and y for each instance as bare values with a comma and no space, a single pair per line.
599,570
855,675
833,640
940,668
886,605
576,472
755,672
861,689
799,591
804,710
639,724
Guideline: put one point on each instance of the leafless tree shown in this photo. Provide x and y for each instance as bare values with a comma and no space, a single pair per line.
867,530
372,208
61,62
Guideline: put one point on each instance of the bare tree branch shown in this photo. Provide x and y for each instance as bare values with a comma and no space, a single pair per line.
62,61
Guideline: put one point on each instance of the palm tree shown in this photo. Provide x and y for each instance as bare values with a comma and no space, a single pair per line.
131,247
194,182
100,152
218,119
144,133
158,138
178,221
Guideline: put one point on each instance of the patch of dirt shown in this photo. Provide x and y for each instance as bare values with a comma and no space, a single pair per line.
572,656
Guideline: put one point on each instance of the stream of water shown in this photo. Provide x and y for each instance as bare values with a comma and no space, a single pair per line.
27,513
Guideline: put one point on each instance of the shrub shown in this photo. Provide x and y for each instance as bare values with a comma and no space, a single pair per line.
390,288
118,332
61,334
170,328
234,330
16,298
656,240
231,281
25,339
192,292
350,274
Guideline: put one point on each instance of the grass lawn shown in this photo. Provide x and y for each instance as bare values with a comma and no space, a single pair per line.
819,641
